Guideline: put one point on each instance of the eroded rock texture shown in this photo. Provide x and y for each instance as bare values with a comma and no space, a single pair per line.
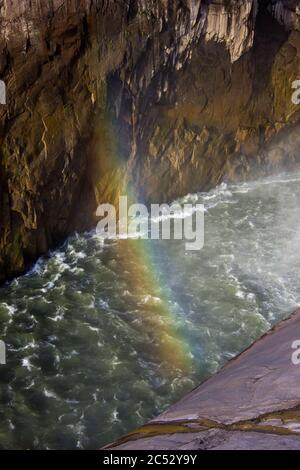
165,96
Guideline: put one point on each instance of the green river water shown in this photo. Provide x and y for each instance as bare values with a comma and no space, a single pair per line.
101,336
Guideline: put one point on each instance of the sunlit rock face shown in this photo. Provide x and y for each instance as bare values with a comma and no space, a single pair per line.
234,26
171,96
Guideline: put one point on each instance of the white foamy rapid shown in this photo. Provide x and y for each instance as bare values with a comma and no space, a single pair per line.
88,330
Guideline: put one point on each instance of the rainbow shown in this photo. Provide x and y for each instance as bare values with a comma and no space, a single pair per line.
156,310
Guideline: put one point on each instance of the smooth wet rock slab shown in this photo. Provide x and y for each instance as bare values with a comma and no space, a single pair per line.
252,403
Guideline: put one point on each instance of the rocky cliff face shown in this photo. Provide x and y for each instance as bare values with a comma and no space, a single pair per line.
162,95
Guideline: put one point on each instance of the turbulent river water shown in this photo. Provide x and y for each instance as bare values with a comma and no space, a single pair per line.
101,336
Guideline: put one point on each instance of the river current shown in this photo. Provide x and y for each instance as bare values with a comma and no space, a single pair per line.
102,336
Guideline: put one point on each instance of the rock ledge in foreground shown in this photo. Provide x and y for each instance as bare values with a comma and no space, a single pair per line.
252,403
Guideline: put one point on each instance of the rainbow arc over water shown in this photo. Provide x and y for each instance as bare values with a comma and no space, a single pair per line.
156,309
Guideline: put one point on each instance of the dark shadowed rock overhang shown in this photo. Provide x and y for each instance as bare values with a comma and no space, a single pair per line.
252,403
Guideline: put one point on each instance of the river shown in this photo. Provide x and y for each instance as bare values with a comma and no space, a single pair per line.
103,335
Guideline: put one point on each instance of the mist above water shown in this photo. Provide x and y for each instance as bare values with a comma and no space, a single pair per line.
103,336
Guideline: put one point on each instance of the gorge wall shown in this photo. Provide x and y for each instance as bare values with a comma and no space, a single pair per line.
162,96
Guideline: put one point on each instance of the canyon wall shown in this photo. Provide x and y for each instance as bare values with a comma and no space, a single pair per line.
159,97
